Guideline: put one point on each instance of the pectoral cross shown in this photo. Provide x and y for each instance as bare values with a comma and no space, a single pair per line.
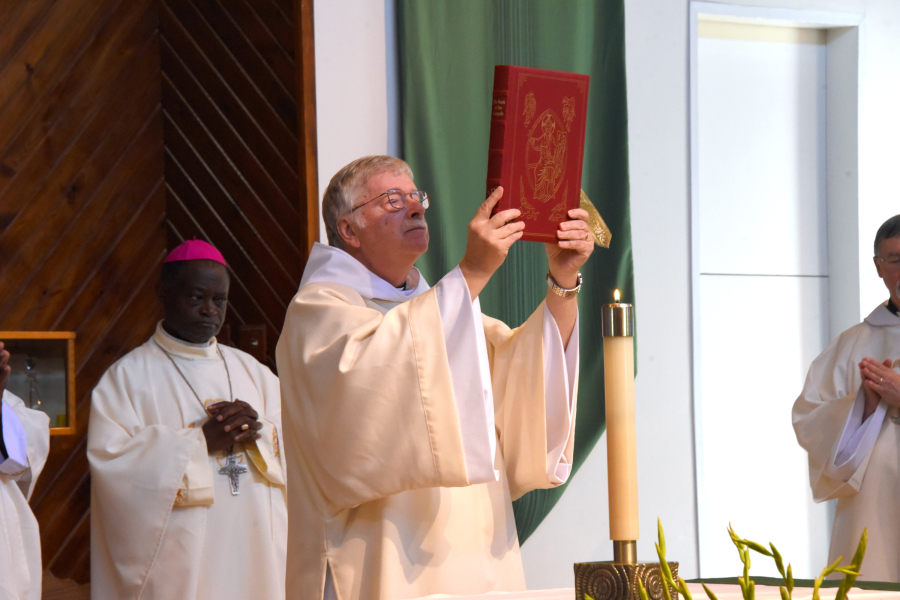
233,471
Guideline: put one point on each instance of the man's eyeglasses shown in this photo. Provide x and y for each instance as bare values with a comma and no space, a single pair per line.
397,199
892,262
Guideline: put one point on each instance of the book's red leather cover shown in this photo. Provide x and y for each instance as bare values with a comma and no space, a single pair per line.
536,152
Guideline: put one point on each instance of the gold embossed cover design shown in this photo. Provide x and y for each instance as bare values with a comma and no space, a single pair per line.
536,149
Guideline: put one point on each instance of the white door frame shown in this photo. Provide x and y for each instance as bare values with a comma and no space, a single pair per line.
844,80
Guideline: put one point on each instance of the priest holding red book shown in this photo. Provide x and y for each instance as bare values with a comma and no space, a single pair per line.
412,420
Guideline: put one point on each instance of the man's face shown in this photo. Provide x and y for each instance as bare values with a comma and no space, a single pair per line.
390,234
889,250
195,302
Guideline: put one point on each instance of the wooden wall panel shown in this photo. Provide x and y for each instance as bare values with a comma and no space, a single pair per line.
127,126
236,162
82,210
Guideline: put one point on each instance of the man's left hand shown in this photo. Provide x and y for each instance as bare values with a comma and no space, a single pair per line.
576,242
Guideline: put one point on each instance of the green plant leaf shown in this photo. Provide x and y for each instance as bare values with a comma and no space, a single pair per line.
661,535
641,591
734,537
756,547
784,594
664,571
849,580
683,588
832,567
745,558
709,592
779,562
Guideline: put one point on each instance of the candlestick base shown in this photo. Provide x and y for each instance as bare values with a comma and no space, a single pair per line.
618,581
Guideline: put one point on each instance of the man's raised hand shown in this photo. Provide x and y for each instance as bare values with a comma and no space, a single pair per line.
575,245
225,426
489,240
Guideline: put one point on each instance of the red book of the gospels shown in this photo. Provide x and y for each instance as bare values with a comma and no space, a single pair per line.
536,151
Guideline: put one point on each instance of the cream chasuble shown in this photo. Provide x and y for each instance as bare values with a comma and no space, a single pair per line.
164,523
411,423
855,463
26,436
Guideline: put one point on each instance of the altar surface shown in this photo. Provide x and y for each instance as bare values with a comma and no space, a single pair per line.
721,590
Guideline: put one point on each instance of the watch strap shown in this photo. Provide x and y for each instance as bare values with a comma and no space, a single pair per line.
561,291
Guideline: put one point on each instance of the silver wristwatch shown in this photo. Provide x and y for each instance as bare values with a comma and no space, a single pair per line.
561,291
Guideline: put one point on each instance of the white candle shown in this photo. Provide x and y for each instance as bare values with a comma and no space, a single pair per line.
621,444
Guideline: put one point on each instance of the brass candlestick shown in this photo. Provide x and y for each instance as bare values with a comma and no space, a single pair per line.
618,580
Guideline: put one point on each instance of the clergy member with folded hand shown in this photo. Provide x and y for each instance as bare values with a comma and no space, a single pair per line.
848,419
24,444
412,420
188,477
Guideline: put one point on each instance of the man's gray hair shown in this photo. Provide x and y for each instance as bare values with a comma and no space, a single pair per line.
889,229
344,187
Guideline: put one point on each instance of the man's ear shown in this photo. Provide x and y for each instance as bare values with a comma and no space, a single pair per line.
877,266
347,230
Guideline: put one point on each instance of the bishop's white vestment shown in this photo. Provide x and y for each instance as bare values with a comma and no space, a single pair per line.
164,523
411,423
857,463
26,436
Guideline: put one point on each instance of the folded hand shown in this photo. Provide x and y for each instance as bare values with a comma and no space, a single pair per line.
880,379
225,426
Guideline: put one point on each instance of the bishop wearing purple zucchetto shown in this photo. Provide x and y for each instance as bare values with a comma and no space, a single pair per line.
184,446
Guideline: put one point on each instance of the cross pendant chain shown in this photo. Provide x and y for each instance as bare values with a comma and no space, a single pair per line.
193,391
233,471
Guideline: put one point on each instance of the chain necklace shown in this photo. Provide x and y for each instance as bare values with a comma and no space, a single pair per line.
180,372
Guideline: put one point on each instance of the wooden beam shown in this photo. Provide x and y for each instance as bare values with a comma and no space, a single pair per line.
305,61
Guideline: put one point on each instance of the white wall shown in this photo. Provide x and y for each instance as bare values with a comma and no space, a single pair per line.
354,120
762,275
657,69
355,84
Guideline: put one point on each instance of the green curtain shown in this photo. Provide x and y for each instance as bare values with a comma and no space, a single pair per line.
447,52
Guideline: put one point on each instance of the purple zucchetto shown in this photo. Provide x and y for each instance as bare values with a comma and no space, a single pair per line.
195,250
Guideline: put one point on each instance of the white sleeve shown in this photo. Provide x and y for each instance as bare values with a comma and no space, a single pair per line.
16,463
560,377
197,488
466,346
857,439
